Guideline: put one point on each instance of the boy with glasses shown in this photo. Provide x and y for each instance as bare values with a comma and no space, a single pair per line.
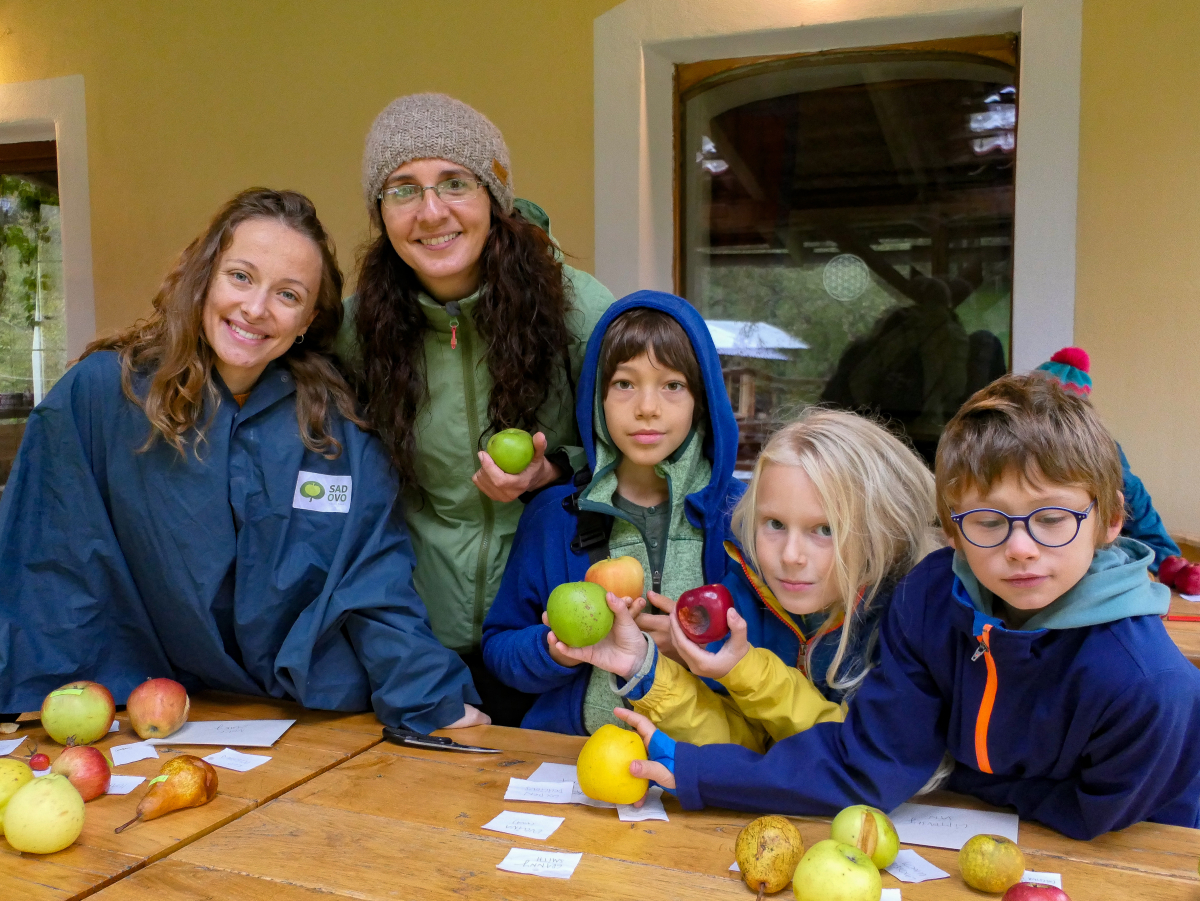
1032,653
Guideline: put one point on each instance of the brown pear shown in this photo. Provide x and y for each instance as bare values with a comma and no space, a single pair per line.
184,781
767,851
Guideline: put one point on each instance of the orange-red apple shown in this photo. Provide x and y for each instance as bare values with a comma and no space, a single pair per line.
157,708
623,576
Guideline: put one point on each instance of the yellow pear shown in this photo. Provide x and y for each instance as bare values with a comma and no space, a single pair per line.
184,781
767,851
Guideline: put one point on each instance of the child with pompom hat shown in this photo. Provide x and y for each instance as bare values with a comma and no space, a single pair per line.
1071,367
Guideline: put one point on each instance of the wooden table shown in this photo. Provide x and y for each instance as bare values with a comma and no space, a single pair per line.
317,742
396,823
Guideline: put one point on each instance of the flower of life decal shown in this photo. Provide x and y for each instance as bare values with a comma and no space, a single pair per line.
846,277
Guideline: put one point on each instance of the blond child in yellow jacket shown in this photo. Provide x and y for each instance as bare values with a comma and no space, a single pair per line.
837,511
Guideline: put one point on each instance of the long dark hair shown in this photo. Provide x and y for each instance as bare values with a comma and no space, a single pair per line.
171,344
521,315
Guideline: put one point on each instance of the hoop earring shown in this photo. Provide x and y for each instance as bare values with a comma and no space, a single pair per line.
299,339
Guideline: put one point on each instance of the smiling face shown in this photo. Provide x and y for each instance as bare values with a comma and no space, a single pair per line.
793,541
260,299
1025,575
648,410
442,242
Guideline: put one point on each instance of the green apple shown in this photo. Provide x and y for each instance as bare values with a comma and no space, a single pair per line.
44,816
578,613
78,713
869,830
511,450
833,871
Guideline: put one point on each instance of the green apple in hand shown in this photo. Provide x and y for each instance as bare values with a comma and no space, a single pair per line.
511,450
578,613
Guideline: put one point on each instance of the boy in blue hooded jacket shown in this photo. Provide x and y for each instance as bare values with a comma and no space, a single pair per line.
1032,653
661,441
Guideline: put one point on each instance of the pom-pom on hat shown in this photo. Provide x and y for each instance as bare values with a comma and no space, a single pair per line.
434,126
1070,366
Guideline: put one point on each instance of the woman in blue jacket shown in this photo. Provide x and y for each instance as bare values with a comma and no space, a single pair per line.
196,499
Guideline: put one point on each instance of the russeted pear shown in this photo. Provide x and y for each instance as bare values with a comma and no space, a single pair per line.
767,851
184,781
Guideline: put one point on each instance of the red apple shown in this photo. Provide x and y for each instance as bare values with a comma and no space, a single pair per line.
1035,891
157,708
1169,568
78,713
623,576
701,613
1187,580
85,768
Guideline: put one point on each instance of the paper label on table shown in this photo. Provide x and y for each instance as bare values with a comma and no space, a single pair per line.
7,747
139,750
45,772
528,825
651,810
1191,597
578,797
909,866
232,733
115,726
555,772
123,785
540,863
547,792
890,894
734,868
1054,879
949,827
236,760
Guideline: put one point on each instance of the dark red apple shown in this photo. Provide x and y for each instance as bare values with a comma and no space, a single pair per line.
701,613
1169,569
1187,580
85,768
1035,891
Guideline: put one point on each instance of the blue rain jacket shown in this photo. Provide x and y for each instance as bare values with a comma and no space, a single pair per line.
1141,519
118,565
1085,720
514,639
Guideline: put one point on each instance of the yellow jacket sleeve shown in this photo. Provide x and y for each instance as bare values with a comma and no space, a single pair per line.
686,709
778,698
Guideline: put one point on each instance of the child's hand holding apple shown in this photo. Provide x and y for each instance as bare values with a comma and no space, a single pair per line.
621,651
502,486
710,665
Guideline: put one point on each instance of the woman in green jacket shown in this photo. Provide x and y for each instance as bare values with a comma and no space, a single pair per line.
466,322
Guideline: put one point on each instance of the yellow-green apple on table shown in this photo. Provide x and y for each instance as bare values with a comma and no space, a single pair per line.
602,767
157,708
85,768
78,713
702,613
623,576
13,774
511,450
991,863
1035,891
834,871
578,613
767,851
870,830
44,816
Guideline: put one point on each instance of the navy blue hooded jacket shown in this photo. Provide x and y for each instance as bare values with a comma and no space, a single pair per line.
118,565
1092,726
514,639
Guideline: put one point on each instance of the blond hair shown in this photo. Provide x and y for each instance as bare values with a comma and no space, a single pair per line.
1029,424
879,501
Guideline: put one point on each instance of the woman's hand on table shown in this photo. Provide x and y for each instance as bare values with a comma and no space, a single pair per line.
500,486
472,716
658,627
706,664
649,769
621,651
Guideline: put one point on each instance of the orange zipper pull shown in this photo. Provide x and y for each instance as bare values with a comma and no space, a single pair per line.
453,334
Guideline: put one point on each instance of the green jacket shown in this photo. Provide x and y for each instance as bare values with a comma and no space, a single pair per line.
460,536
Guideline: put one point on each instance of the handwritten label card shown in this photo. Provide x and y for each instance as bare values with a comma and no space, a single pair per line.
547,792
949,827
236,760
7,747
139,750
578,797
123,785
1054,879
909,866
528,825
231,733
651,810
540,863
554,772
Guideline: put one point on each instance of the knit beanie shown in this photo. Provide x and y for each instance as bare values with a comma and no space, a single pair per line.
434,126
1070,366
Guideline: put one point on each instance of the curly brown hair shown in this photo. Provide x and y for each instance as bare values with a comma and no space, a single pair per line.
171,347
521,314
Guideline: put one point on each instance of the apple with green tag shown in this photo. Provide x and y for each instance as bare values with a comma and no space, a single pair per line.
78,713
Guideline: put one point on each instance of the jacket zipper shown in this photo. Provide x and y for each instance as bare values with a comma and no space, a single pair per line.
989,699
485,540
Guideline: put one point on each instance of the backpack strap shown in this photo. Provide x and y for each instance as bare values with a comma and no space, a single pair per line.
593,529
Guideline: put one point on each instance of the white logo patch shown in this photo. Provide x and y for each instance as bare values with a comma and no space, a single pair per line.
321,493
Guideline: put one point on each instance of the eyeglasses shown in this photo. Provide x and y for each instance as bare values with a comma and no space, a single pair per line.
452,190
1048,526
